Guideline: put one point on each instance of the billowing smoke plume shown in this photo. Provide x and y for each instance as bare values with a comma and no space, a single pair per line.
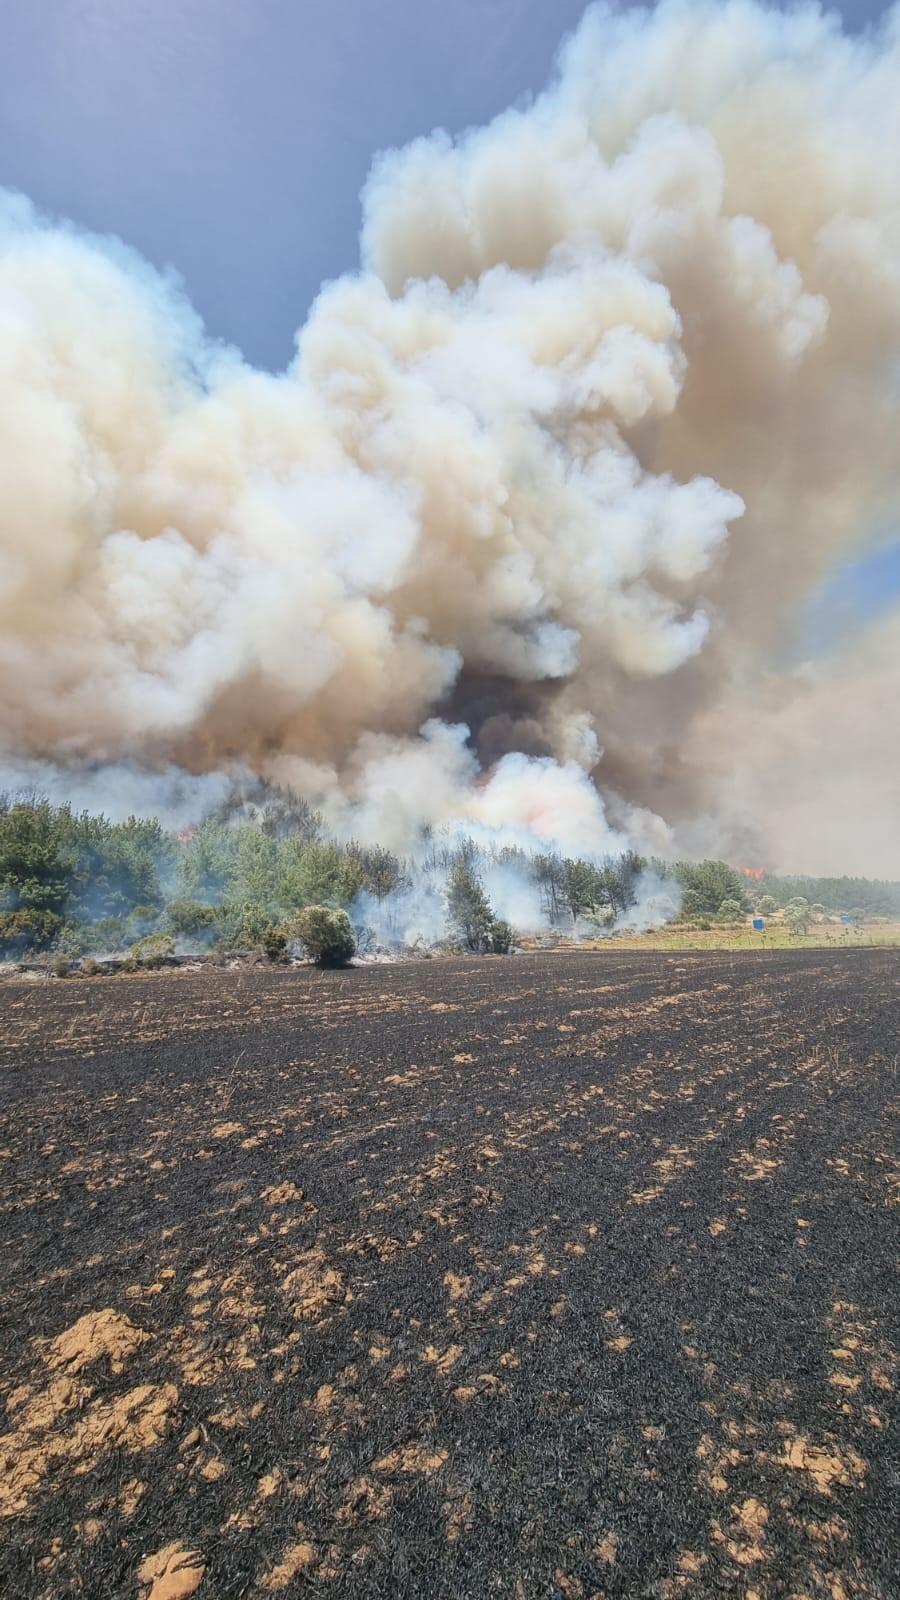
516,540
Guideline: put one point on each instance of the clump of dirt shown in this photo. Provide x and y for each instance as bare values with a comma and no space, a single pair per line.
442,1361
752,1166
456,1287
28,1456
42,1408
96,1336
295,1558
312,1286
824,1467
365,1500
173,1573
132,1422
745,1542
281,1194
607,1550
129,1497
412,1457
60,1424
459,1514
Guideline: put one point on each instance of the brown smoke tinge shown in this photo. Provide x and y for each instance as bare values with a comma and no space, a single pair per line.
615,389
810,768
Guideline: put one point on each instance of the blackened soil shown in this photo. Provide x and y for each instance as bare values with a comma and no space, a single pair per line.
561,1275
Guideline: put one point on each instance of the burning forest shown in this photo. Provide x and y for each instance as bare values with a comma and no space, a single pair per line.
556,1262
80,889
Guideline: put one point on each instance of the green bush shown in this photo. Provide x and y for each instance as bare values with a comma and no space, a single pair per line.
153,951
501,936
693,905
245,926
730,911
327,935
190,917
29,928
797,917
705,884
275,941
89,938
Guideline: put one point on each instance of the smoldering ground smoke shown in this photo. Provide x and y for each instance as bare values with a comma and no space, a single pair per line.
519,538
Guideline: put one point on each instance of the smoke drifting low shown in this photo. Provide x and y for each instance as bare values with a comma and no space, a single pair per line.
517,539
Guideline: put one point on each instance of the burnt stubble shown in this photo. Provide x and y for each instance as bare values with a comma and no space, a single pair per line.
562,1275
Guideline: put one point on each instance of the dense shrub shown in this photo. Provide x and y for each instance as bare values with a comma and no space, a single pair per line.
275,941
244,927
98,938
875,896
188,918
693,905
797,916
327,935
730,911
28,928
153,951
706,884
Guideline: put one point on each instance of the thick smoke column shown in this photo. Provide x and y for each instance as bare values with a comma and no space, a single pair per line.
552,476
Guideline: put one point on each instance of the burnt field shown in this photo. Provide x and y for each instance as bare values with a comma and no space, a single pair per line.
563,1275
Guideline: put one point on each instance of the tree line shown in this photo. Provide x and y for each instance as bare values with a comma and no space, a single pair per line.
78,884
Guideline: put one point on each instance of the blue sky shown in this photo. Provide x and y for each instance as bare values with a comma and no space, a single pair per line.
230,139
855,590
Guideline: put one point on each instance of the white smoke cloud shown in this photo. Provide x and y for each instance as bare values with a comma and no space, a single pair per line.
615,386
123,789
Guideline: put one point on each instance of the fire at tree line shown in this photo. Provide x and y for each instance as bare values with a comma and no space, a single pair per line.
265,878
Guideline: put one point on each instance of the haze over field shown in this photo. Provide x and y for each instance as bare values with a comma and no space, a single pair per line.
523,538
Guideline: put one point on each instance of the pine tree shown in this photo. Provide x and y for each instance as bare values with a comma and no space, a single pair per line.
469,913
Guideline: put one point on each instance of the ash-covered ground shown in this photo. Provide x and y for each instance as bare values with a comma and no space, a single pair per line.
564,1275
